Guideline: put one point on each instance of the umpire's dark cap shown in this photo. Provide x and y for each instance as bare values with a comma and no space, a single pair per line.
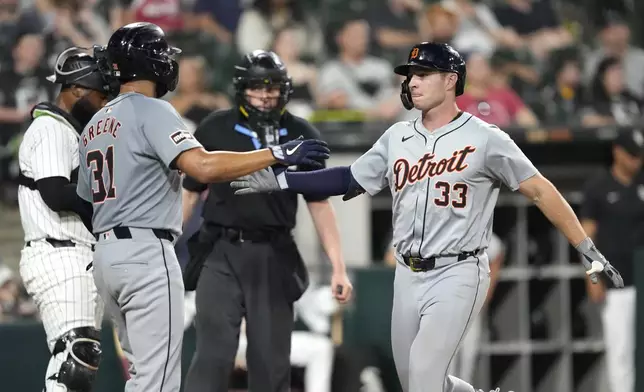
631,141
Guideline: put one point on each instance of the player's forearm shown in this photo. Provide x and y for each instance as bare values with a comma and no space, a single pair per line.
553,205
326,182
326,225
221,166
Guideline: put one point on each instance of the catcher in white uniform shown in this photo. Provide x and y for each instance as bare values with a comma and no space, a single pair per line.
56,223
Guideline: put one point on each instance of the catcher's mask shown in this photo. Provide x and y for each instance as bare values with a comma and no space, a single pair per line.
75,67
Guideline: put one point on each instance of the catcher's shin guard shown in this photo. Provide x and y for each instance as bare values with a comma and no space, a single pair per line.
83,355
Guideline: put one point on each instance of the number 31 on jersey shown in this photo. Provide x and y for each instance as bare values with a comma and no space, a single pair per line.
102,165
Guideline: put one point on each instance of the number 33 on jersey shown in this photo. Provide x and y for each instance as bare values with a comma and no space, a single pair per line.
444,183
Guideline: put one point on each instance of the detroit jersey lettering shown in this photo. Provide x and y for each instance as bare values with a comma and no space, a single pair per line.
444,183
125,157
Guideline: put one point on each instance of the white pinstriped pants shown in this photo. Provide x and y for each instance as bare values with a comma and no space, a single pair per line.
619,322
64,292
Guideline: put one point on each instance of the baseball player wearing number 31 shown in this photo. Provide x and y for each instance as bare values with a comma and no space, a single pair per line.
444,170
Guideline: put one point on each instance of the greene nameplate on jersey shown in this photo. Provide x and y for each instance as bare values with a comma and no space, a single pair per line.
129,147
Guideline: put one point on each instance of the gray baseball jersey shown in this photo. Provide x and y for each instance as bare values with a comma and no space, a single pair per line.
126,152
444,183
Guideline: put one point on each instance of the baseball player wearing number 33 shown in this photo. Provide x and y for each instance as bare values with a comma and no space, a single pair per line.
444,170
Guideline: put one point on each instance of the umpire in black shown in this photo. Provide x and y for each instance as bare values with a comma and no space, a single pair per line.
243,261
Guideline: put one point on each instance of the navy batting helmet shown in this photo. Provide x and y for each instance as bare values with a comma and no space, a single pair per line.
258,69
75,67
140,51
431,55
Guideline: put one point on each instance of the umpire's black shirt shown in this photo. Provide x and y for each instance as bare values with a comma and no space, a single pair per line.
228,130
618,210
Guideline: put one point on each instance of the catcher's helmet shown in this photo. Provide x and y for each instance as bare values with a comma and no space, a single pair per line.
75,67
431,55
258,69
140,51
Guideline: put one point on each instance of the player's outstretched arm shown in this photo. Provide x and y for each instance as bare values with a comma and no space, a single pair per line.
325,182
219,166
368,174
553,205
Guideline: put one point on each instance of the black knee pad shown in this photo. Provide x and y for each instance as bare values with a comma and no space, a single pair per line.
83,355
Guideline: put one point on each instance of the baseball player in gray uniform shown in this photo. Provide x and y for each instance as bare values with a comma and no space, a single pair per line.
444,170
130,156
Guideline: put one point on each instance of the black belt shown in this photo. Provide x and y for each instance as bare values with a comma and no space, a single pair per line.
124,233
57,243
240,235
419,264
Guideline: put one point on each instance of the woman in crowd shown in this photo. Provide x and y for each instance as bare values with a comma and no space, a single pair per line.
258,26
611,103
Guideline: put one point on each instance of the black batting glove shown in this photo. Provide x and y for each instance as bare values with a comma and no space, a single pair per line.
302,152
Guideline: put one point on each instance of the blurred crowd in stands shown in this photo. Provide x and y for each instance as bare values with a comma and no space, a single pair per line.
530,62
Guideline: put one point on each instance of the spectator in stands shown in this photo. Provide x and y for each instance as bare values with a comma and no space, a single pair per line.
536,22
8,30
39,17
191,99
23,85
517,70
478,28
258,24
167,14
356,80
218,18
64,23
611,102
614,40
443,23
304,75
488,97
562,94
14,302
396,27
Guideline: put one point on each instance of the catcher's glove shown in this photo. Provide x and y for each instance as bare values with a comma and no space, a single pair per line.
596,263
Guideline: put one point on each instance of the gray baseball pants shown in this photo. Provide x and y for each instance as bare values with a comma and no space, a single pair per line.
431,314
140,281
